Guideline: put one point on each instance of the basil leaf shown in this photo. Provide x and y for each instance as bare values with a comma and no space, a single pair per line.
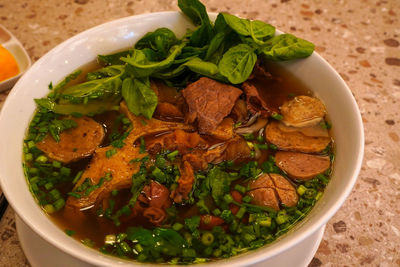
139,64
258,30
114,59
139,97
92,107
106,72
94,89
161,40
196,11
287,47
205,68
237,63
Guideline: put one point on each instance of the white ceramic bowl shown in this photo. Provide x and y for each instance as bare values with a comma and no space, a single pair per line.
17,112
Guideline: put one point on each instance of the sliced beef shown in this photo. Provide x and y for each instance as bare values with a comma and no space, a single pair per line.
209,102
118,165
302,111
301,166
185,183
75,143
271,189
294,141
254,101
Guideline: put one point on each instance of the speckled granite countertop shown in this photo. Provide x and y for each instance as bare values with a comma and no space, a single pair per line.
359,38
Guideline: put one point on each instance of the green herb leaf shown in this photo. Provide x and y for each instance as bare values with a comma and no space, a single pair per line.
238,63
287,47
139,97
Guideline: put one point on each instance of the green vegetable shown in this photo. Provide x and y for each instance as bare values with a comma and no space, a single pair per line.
207,238
237,63
139,97
287,47
161,40
192,223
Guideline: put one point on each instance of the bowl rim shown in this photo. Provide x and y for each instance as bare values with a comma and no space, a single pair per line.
240,259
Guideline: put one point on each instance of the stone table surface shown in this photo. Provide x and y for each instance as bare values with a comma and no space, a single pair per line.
359,38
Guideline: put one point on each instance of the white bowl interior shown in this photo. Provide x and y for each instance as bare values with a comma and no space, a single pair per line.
116,35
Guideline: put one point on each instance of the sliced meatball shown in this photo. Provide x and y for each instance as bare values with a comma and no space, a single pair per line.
271,189
209,102
265,197
75,143
302,111
286,191
294,141
301,166
314,130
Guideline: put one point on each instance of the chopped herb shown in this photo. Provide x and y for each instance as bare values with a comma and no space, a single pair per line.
111,152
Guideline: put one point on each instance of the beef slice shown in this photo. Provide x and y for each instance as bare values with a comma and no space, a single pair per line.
209,102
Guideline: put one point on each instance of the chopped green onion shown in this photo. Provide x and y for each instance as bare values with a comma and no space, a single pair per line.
110,239
247,199
260,138
77,177
33,170
59,204
240,188
265,222
65,171
171,156
111,152
55,194
142,145
31,144
177,226
261,146
28,157
114,192
207,238
216,212
188,253
69,232
125,120
48,186
48,208
281,219
125,247
41,159
56,164
276,116
319,195
248,137
241,212
138,248
272,146
228,198
74,194
301,190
